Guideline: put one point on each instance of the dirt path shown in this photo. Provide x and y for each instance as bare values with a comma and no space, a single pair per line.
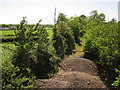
76,72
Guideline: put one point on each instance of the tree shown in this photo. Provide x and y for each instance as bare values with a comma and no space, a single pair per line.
102,41
95,19
59,42
34,51
94,15
62,17
83,17
46,63
76,27
102,17
62,35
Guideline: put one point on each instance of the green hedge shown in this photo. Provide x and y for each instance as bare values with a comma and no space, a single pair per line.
103,41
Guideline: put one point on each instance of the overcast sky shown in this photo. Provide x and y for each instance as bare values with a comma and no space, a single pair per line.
12,11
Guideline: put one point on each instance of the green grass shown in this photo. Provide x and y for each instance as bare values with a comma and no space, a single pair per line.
10,32
7,37
50,32
4,51
7,32
8,44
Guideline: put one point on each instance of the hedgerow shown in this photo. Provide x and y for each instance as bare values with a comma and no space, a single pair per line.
103,41
33,58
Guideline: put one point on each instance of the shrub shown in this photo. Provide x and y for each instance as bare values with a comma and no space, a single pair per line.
117,81
35,51
10,76
34,57
63,38
59,43
76,27
102,41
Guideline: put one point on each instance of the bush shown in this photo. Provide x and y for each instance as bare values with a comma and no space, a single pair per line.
35,51
34,57
117,81
102,41
63,38
10,76
76,27
59,43
46,64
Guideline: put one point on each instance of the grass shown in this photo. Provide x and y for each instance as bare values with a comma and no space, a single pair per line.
6,32
10,33
78,51
50,32
10,44
7,45
4,51
7,37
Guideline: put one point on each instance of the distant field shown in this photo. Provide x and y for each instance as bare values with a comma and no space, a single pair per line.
7,32
10,34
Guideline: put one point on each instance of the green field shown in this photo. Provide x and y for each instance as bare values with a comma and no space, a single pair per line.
11,45
7,32
10,33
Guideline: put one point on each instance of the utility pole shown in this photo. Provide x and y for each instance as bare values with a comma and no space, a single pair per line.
55,17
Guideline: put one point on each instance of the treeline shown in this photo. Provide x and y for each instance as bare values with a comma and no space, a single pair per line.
40,58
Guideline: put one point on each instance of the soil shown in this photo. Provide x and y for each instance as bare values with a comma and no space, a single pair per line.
51,84
80,80
76,72
80,65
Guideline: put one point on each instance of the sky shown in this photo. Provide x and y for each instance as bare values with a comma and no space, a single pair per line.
119,11
12,11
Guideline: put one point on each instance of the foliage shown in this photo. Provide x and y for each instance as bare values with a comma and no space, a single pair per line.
95,16
34,57
34,50
104,45
37,55
102,40
59,42
67,33
75,26
117,81
50,33
63,37
10,76
46,60
78,26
